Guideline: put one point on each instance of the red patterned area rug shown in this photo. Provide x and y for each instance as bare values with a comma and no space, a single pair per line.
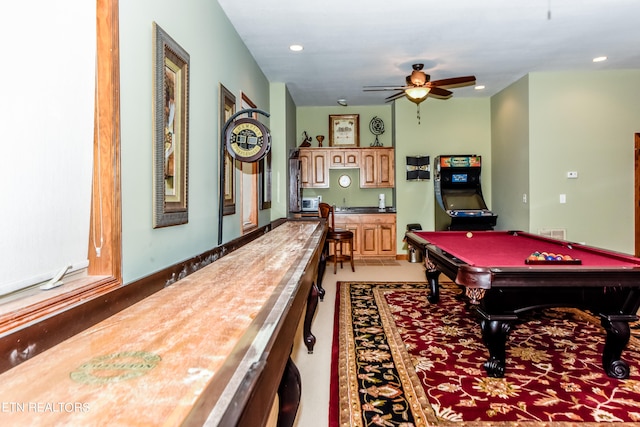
399,360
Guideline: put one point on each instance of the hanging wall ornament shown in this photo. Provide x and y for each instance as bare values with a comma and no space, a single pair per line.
248,140
376,127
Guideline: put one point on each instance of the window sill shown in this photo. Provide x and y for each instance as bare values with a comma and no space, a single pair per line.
33,304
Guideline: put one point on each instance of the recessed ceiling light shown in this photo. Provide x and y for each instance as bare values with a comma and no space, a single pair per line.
600,59
479,87
342,102
296,47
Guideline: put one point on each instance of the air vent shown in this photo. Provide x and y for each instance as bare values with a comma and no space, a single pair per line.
554,233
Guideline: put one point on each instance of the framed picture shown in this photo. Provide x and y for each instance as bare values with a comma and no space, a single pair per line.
170,130
228,109
344,130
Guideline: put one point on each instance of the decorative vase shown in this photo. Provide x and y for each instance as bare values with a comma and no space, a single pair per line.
320,138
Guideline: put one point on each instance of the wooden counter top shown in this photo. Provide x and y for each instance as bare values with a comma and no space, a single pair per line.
181,355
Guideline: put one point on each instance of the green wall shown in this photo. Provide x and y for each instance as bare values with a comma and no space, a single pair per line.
548,124
283,131
584,122
510,156
216,54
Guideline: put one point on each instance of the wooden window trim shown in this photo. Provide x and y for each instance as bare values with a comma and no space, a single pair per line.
637,192
252,198
105,271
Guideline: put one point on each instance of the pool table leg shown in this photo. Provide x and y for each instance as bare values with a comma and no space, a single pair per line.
618,334
494,334
432,277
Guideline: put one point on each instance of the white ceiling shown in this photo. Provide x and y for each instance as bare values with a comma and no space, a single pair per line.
352,43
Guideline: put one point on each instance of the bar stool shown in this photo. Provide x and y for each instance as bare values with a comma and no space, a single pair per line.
338,237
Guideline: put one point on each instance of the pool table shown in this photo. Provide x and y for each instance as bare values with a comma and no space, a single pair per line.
501,284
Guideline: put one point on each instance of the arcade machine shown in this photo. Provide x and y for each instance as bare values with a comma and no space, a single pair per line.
459,201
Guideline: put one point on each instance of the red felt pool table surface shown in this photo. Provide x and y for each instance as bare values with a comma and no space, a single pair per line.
511,249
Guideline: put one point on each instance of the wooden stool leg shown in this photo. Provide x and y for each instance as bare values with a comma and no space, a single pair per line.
335,256
351,257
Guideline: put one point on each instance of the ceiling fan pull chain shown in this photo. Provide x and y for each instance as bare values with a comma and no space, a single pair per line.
418,112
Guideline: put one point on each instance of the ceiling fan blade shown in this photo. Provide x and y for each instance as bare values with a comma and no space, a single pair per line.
394,96
378,88
440,93
454,82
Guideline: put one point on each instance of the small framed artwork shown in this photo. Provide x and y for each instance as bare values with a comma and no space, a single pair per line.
344,130
170,130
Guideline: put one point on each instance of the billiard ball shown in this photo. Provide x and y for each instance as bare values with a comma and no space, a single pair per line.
469,235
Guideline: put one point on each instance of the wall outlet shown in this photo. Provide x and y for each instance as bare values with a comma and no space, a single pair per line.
572,174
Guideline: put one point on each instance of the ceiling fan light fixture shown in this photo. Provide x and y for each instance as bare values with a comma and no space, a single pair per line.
417,94
418,78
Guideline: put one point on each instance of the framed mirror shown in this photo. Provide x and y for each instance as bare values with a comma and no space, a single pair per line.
344,181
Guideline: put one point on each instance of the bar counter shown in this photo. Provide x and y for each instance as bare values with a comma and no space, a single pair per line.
209,349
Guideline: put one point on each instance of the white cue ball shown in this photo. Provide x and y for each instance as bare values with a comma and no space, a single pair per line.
469,234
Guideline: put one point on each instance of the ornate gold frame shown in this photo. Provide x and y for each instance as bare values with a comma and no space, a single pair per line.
171,130
228,109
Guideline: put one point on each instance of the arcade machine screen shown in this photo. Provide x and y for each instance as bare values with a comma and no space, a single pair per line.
463,200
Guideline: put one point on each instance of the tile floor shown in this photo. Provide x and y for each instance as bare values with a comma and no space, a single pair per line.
315,368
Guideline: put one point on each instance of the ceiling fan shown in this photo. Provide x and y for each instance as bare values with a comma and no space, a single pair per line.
419,87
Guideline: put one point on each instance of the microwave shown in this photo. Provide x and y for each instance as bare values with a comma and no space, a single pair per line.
311,204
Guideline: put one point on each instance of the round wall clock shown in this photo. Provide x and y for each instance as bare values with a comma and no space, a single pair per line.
344,181
248,140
